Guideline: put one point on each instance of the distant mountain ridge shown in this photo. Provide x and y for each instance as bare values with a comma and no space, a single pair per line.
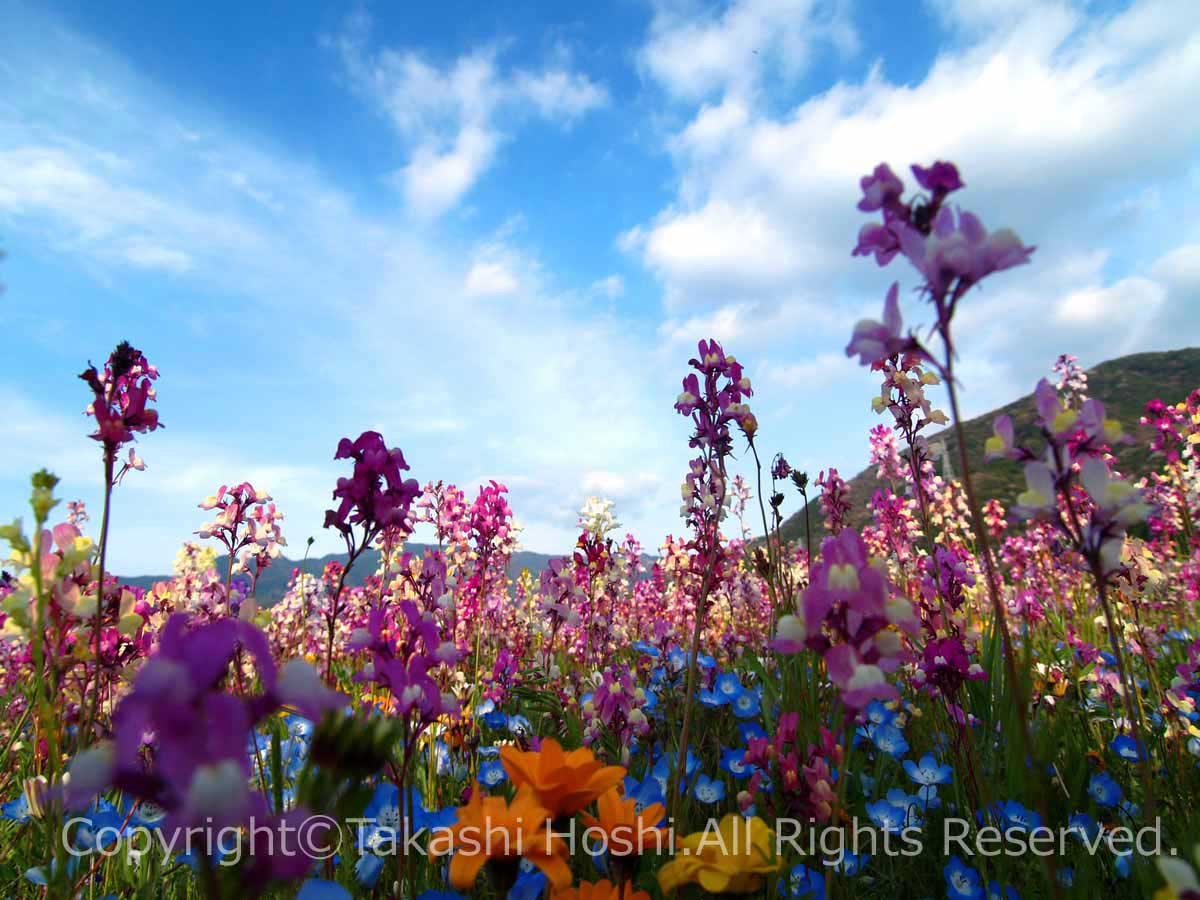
274,581
1124,385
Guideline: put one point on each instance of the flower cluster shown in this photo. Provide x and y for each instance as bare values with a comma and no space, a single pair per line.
121,394
847,617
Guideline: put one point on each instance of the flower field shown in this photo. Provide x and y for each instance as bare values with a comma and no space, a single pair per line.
965,697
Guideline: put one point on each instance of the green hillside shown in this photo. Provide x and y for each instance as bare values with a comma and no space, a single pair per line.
1124,385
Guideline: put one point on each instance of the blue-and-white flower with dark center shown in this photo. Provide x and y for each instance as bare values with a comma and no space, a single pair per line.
1104,790
746,705
491,773
962,882
708,790
928,771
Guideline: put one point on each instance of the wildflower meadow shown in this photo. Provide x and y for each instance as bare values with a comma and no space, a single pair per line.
935,695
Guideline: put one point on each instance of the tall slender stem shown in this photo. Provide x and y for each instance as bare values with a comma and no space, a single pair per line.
98,623
681,758
698,626
1128,689
807,534
985,550
1001,620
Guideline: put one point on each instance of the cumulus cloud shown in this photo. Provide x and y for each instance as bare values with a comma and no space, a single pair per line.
490,279
695,51
1047,117
448,116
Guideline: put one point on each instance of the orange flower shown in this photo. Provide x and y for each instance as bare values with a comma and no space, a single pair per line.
601,890
491,829
563,782
628,832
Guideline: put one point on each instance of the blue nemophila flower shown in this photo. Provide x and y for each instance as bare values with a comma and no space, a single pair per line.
367,869
431,894
102,816
227,845
728,685
1012,815
519,726
492,717
1083,827
491,773
962,882
1126,747
384,815
734,762
996,891
665,765
748,730
889,739
320,889
709,790
852,863
1104,790
704,661
1122,863
887,816
712,699
298,727
647,649
909,805
16,809
38,875
928,771
803,882
676,658
146,815
448,763
660,773
927,796
530,883
1066,876
644,793
878,714
746,705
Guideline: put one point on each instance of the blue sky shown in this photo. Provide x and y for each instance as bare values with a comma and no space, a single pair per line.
496,236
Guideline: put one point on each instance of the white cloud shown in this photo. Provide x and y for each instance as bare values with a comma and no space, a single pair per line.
1047,118
617,486
435,179
490,279
976,15
719,250
559,94
824,369
713,127
1127,299
449,117
1180,267
694,52
84,198
750,324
